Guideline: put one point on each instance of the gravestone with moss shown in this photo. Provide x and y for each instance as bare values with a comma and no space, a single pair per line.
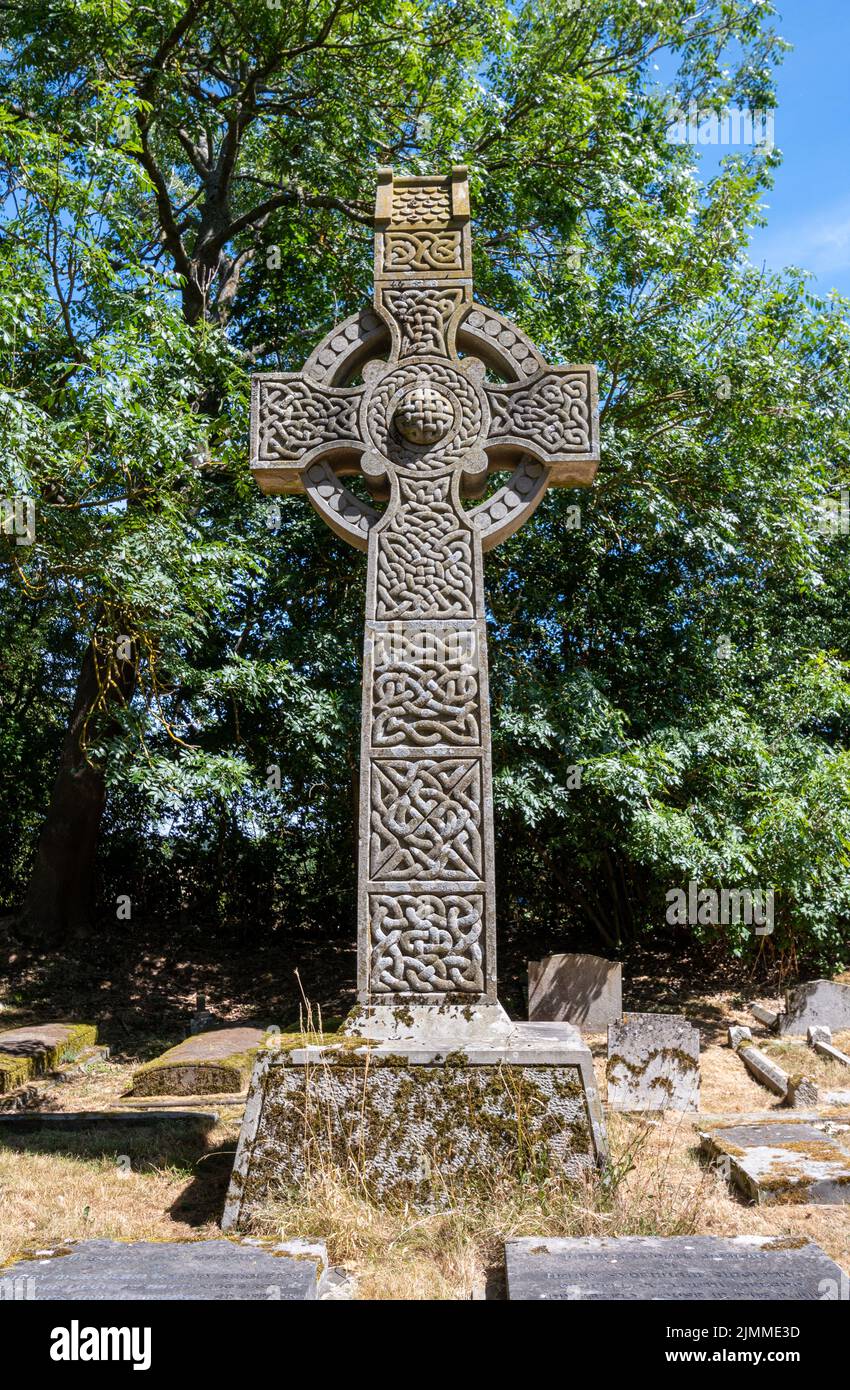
653,1063
30,1052
211,1063
457,426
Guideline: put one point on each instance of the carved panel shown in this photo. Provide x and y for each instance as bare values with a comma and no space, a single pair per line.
424,559
425,203
422,316
421,252
552,413
424,943
295,416
425,819
425,688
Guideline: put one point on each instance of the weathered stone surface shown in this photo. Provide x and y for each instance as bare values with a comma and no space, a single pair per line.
424,395
802,1093
821,1040
784,1160
413,1120
768,1017
168,1271
765,1071
817,1002
586,991
29,1052
672,1268
653,1063
202,1065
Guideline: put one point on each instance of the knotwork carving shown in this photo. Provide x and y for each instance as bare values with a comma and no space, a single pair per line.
422,316
296,416
423,943
424,566
460,400
426,819
422,251
552,413
423,429
425,688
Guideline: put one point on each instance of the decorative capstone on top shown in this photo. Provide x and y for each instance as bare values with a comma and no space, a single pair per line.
449,393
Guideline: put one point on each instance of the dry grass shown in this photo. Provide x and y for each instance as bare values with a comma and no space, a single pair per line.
62,1187
658,1187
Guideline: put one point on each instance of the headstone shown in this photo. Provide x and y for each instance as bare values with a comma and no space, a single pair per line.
168,1271
586,991
422,395
670,1268
802,1093
818,1002
653,1063
780,1161
202,1065
32,1051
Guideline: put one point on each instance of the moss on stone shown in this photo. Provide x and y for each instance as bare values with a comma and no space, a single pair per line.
17,1070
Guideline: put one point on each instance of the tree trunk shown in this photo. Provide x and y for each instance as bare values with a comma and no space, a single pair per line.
58,904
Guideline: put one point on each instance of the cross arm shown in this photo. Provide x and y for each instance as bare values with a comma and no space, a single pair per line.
554,417
296,422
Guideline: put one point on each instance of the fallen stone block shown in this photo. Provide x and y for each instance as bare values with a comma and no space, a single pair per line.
29,1052
796,1091
784,1161
819,1002
670,1268
169,1271
203,1065
586,991
769,1017
653,1063
820,1038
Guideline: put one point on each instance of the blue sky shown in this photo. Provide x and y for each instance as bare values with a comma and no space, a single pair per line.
809,207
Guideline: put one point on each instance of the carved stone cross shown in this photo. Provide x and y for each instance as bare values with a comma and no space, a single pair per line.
426,395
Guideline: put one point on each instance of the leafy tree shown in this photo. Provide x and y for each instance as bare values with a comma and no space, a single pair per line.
187,198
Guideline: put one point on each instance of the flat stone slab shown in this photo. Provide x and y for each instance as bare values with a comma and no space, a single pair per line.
169,1271
80,1121
656,1268
29,1052
653,1063
415,1118
203,1065
586,991
784,1161
819,1003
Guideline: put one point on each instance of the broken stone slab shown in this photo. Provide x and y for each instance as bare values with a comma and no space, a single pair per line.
680,1268
414,1118
202,1065
768,1017
81,1121
653,1063
819,1002
168,1271
795,1090
586,991
820,1038
29,1052
784,1161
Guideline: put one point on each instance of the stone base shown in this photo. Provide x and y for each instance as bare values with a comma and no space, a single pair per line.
412,1117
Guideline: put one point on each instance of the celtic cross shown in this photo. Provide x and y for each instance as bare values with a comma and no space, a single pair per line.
425,396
